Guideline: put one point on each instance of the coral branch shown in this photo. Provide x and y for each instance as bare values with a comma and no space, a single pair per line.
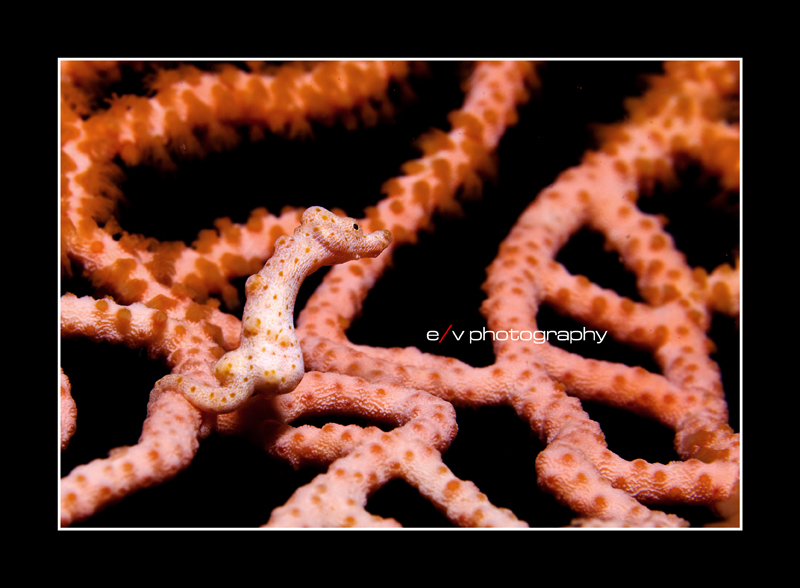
68,412
167,445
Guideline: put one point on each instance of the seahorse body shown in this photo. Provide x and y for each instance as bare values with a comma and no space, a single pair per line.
269,360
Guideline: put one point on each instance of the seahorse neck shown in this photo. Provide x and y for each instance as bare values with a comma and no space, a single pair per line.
272,292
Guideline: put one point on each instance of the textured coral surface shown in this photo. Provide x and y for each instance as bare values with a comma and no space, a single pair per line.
430,285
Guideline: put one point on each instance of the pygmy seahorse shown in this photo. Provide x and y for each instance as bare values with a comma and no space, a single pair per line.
269,359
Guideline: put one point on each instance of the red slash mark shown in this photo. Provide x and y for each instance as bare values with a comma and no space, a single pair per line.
445,333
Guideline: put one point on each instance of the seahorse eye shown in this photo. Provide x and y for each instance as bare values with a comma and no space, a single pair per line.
355,226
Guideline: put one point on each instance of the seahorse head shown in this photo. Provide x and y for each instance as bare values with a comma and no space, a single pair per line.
342,237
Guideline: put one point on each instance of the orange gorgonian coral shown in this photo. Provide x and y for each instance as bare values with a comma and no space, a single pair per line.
550,339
